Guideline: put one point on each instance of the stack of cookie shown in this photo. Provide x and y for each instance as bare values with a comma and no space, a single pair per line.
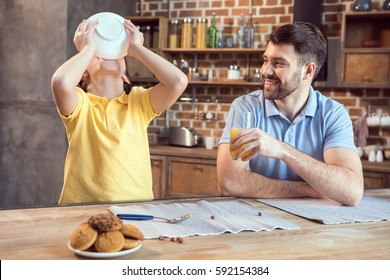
106,233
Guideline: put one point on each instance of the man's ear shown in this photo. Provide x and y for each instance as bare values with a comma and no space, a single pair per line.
310,69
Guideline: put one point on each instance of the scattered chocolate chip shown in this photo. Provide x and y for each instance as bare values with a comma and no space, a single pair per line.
161,238
173,239
212,217
180,240
260,214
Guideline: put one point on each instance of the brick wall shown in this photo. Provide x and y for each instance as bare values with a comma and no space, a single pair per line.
267,14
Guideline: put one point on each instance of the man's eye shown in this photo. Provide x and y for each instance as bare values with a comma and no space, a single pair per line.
280,64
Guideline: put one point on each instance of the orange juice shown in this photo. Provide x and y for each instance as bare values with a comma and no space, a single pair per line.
233,132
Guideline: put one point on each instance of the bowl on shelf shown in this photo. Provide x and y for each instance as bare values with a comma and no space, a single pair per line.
370,44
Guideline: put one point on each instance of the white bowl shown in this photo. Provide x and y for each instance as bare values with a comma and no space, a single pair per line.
112,40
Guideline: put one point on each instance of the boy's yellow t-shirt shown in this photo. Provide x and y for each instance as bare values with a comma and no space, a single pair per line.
108,155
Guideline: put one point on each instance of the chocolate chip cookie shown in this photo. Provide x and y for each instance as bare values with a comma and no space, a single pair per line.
105,222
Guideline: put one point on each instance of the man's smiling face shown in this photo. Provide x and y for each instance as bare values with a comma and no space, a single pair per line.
281,71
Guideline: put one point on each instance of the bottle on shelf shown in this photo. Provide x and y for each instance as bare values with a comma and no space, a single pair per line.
220,37
174,34
186,33
386,5
147,32
201,33
256,75
240,42
212,34
210,74
193,74
249,32
155,36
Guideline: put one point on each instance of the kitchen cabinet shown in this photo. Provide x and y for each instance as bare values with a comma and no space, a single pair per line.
376,180
183,172
376,175
365,49
158,174
191,172
191,177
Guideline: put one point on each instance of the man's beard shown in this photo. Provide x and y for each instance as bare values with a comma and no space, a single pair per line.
284,90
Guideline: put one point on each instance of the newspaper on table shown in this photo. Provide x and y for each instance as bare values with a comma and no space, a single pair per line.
228,216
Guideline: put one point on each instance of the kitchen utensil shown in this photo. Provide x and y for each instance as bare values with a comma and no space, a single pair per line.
183,136
151,217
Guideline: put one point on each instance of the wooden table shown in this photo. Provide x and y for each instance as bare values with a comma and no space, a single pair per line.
43,233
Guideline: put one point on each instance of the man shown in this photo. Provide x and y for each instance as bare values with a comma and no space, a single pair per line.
301,142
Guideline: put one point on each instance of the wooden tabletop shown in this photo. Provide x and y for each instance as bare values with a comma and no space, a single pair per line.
43,233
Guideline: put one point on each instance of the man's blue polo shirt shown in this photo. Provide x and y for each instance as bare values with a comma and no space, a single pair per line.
322,124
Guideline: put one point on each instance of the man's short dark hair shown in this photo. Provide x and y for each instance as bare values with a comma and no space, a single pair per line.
308,41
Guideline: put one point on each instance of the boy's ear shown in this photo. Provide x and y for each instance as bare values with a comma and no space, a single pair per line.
125,79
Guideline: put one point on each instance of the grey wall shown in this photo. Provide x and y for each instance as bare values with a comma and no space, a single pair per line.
35,38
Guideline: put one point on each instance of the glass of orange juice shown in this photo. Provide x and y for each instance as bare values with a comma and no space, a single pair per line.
239,122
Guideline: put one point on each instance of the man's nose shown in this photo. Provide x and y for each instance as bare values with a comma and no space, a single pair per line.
266,69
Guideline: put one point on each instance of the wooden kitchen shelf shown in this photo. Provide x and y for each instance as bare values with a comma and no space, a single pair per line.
362,66
225,82
214,50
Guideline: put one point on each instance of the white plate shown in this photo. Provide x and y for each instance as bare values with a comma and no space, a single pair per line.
110,35
99,255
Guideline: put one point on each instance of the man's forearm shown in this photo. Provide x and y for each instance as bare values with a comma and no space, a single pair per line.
235,180
249,184
337,182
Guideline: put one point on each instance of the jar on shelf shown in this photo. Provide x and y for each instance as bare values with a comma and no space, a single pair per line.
186,33
174,35
155,37
386,5
210,74
201,33
193,74
234,72
362,6
148,37
257,75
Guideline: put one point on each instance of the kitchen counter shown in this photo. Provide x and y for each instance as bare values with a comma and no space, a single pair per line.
376,166
43,233
192,152
201,152
376,175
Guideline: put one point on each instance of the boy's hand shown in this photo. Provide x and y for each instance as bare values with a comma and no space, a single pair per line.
136,37
83,35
